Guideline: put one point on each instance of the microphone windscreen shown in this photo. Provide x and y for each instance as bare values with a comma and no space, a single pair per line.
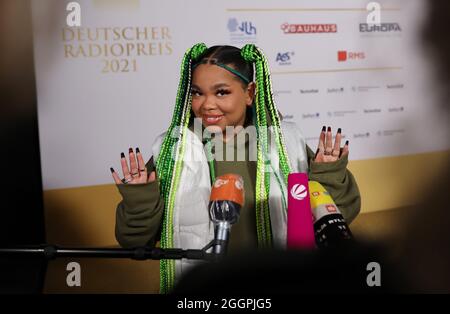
329,224
228,187
300,230
321,202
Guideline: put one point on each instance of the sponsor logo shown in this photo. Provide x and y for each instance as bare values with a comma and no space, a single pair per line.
379,28
344,55
309,91
363,88
239,184
390,132
335,90
394,86
315,193
310,115
361,135
331,208
308,28
284,58
376,110
281,92
299,192
220,182
396,109
241,31
341,113
288,117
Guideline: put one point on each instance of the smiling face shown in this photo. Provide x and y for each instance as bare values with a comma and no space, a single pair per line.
219,97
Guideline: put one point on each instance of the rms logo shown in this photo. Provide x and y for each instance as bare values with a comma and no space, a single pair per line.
299,192
344,55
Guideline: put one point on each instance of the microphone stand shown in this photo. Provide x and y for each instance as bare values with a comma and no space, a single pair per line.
139,253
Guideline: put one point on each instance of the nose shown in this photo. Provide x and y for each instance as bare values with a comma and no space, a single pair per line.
209,104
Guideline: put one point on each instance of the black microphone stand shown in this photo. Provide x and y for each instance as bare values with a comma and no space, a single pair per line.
139,253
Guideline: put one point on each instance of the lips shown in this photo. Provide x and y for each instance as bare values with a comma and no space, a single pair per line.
212,119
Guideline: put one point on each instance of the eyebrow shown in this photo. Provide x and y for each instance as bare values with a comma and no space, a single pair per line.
214,87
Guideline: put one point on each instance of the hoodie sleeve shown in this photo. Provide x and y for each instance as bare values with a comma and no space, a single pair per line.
339,182
139,214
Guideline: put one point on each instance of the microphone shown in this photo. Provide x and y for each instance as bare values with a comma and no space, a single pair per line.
226,200
300,231
329,224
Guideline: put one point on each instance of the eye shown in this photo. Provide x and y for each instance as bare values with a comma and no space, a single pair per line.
222,92
196,93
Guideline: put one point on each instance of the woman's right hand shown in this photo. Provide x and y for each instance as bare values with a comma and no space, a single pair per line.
136,173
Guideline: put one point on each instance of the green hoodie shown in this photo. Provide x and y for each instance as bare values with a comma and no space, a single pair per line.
139,214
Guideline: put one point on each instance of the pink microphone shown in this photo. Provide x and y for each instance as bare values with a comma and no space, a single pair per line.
300,230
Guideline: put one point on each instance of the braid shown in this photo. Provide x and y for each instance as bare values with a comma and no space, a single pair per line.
264,100
169,162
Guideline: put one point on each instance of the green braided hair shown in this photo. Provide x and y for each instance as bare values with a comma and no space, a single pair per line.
264,102
170,160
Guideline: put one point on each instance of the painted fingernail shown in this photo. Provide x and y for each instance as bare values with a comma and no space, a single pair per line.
130,150
339,130
122,155
346,142
137,150
112,169
329,129
324,128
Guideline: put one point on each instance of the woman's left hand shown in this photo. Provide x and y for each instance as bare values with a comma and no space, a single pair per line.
326,151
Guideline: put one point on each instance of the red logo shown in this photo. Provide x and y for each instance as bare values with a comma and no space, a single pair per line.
344,55
331,208
308,28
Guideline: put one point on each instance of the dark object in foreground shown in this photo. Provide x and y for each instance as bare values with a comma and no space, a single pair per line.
342,269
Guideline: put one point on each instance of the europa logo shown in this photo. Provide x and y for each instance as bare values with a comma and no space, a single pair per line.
284,58
241,31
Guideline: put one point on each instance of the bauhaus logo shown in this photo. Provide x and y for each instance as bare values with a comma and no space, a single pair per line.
308,28
299,192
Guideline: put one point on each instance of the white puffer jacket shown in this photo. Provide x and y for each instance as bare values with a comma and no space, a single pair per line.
193,228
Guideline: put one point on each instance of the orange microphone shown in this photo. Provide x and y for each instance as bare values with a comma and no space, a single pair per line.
225,203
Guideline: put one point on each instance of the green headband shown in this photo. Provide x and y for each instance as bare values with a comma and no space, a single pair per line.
226,67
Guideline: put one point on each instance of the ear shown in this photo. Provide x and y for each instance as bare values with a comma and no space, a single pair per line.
250,93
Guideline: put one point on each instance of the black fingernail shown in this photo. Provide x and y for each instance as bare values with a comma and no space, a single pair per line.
324,128
339,130
112,170
329,129
130,150
346,142
122,155
137,150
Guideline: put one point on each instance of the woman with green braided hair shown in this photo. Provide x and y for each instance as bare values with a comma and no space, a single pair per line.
228,92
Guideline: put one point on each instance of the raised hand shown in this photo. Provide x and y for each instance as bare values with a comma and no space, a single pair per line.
326,151
136,172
